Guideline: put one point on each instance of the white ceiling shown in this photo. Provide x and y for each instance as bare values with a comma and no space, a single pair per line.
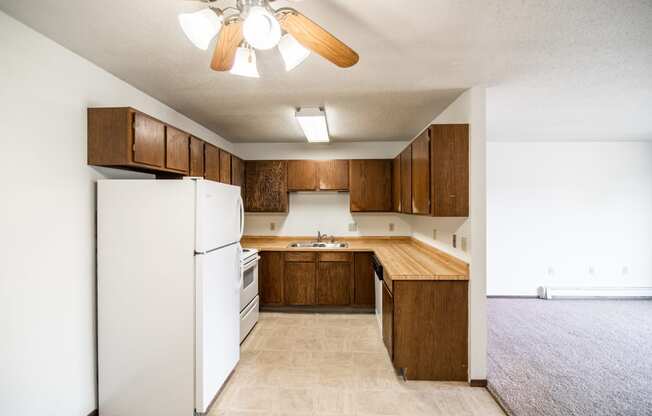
556,69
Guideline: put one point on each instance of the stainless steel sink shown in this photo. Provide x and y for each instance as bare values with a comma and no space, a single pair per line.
315,244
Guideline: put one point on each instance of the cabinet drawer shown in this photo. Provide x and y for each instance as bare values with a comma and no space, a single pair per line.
335,256
293,256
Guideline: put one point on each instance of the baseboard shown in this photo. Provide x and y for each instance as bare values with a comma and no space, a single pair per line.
478,383
548,292
95,412
512,297
319,309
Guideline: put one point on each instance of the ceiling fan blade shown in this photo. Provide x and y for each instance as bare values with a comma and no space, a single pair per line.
228,41
317,39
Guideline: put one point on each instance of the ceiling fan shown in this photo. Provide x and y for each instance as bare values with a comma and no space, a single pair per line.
254,24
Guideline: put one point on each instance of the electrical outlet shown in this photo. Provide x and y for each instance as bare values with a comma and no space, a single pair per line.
551,271
464,244
591,270
454,240
272,226
353,227
434,233
625,271
391,226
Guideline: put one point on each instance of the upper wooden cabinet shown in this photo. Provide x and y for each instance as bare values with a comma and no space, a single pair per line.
302,175
396,184
196,157
211,162
450,170
237,172
126,138
225,167
266,186
406,180
177,150
421,174
370,185
333,175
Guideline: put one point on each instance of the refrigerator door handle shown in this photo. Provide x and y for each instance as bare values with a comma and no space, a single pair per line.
242,216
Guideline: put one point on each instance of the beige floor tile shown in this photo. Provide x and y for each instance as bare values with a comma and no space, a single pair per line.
334,365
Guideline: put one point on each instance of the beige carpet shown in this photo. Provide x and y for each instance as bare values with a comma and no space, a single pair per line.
571,357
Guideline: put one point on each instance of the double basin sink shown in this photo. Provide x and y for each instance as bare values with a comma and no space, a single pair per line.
315,244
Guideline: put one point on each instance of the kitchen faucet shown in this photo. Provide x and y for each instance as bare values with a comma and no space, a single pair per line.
321,237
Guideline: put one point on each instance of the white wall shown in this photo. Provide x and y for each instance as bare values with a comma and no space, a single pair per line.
47,220
558,210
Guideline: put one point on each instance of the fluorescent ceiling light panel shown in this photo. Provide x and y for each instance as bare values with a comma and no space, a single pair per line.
200,27
314,125
245,63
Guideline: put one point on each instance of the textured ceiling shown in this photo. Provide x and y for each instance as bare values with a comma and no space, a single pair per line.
556,69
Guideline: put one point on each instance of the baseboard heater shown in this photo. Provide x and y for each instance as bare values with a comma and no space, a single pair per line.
548,292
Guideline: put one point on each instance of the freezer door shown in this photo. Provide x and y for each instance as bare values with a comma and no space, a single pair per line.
220,215
217,321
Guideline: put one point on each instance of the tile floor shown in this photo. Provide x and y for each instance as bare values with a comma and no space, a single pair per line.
327,365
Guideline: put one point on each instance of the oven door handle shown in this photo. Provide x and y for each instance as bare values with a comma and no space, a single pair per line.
251,263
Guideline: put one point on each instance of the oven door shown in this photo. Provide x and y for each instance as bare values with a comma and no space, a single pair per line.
249,282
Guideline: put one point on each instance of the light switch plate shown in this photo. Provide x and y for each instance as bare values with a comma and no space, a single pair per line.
391,226
272,226
464,244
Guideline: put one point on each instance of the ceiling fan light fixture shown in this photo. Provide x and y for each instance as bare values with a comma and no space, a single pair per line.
245,63
200,27
261,29
292,52
314,125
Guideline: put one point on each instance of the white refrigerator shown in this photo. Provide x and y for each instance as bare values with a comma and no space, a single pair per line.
168,294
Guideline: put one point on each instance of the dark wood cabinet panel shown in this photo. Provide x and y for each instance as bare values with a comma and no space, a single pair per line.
211,162
333,175
149,141
450,170
225,167
334,284
238,173
266,186
196,157
335,256
364,280
300,256
370,185
396,184
388,321
421,174
271,278
177,150
109,136
302,175
299,283
431,329
406,180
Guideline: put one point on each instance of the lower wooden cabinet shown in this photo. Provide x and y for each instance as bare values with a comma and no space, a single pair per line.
299,283
425,328
310,278
334,283
270,277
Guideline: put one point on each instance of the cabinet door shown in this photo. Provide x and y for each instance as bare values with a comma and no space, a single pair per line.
421,174
396,184
364,285
177,150
388,321
266,186
225,167
450,170
211,162
370,183
302,175
334,283
238,173
406,180
271,277
196,157
299,283
149,141
333,175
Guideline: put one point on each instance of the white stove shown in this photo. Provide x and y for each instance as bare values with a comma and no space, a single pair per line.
249,300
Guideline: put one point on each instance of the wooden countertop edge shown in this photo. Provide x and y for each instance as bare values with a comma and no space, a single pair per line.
460,267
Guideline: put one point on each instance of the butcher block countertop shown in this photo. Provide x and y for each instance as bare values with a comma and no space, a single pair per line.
403,258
